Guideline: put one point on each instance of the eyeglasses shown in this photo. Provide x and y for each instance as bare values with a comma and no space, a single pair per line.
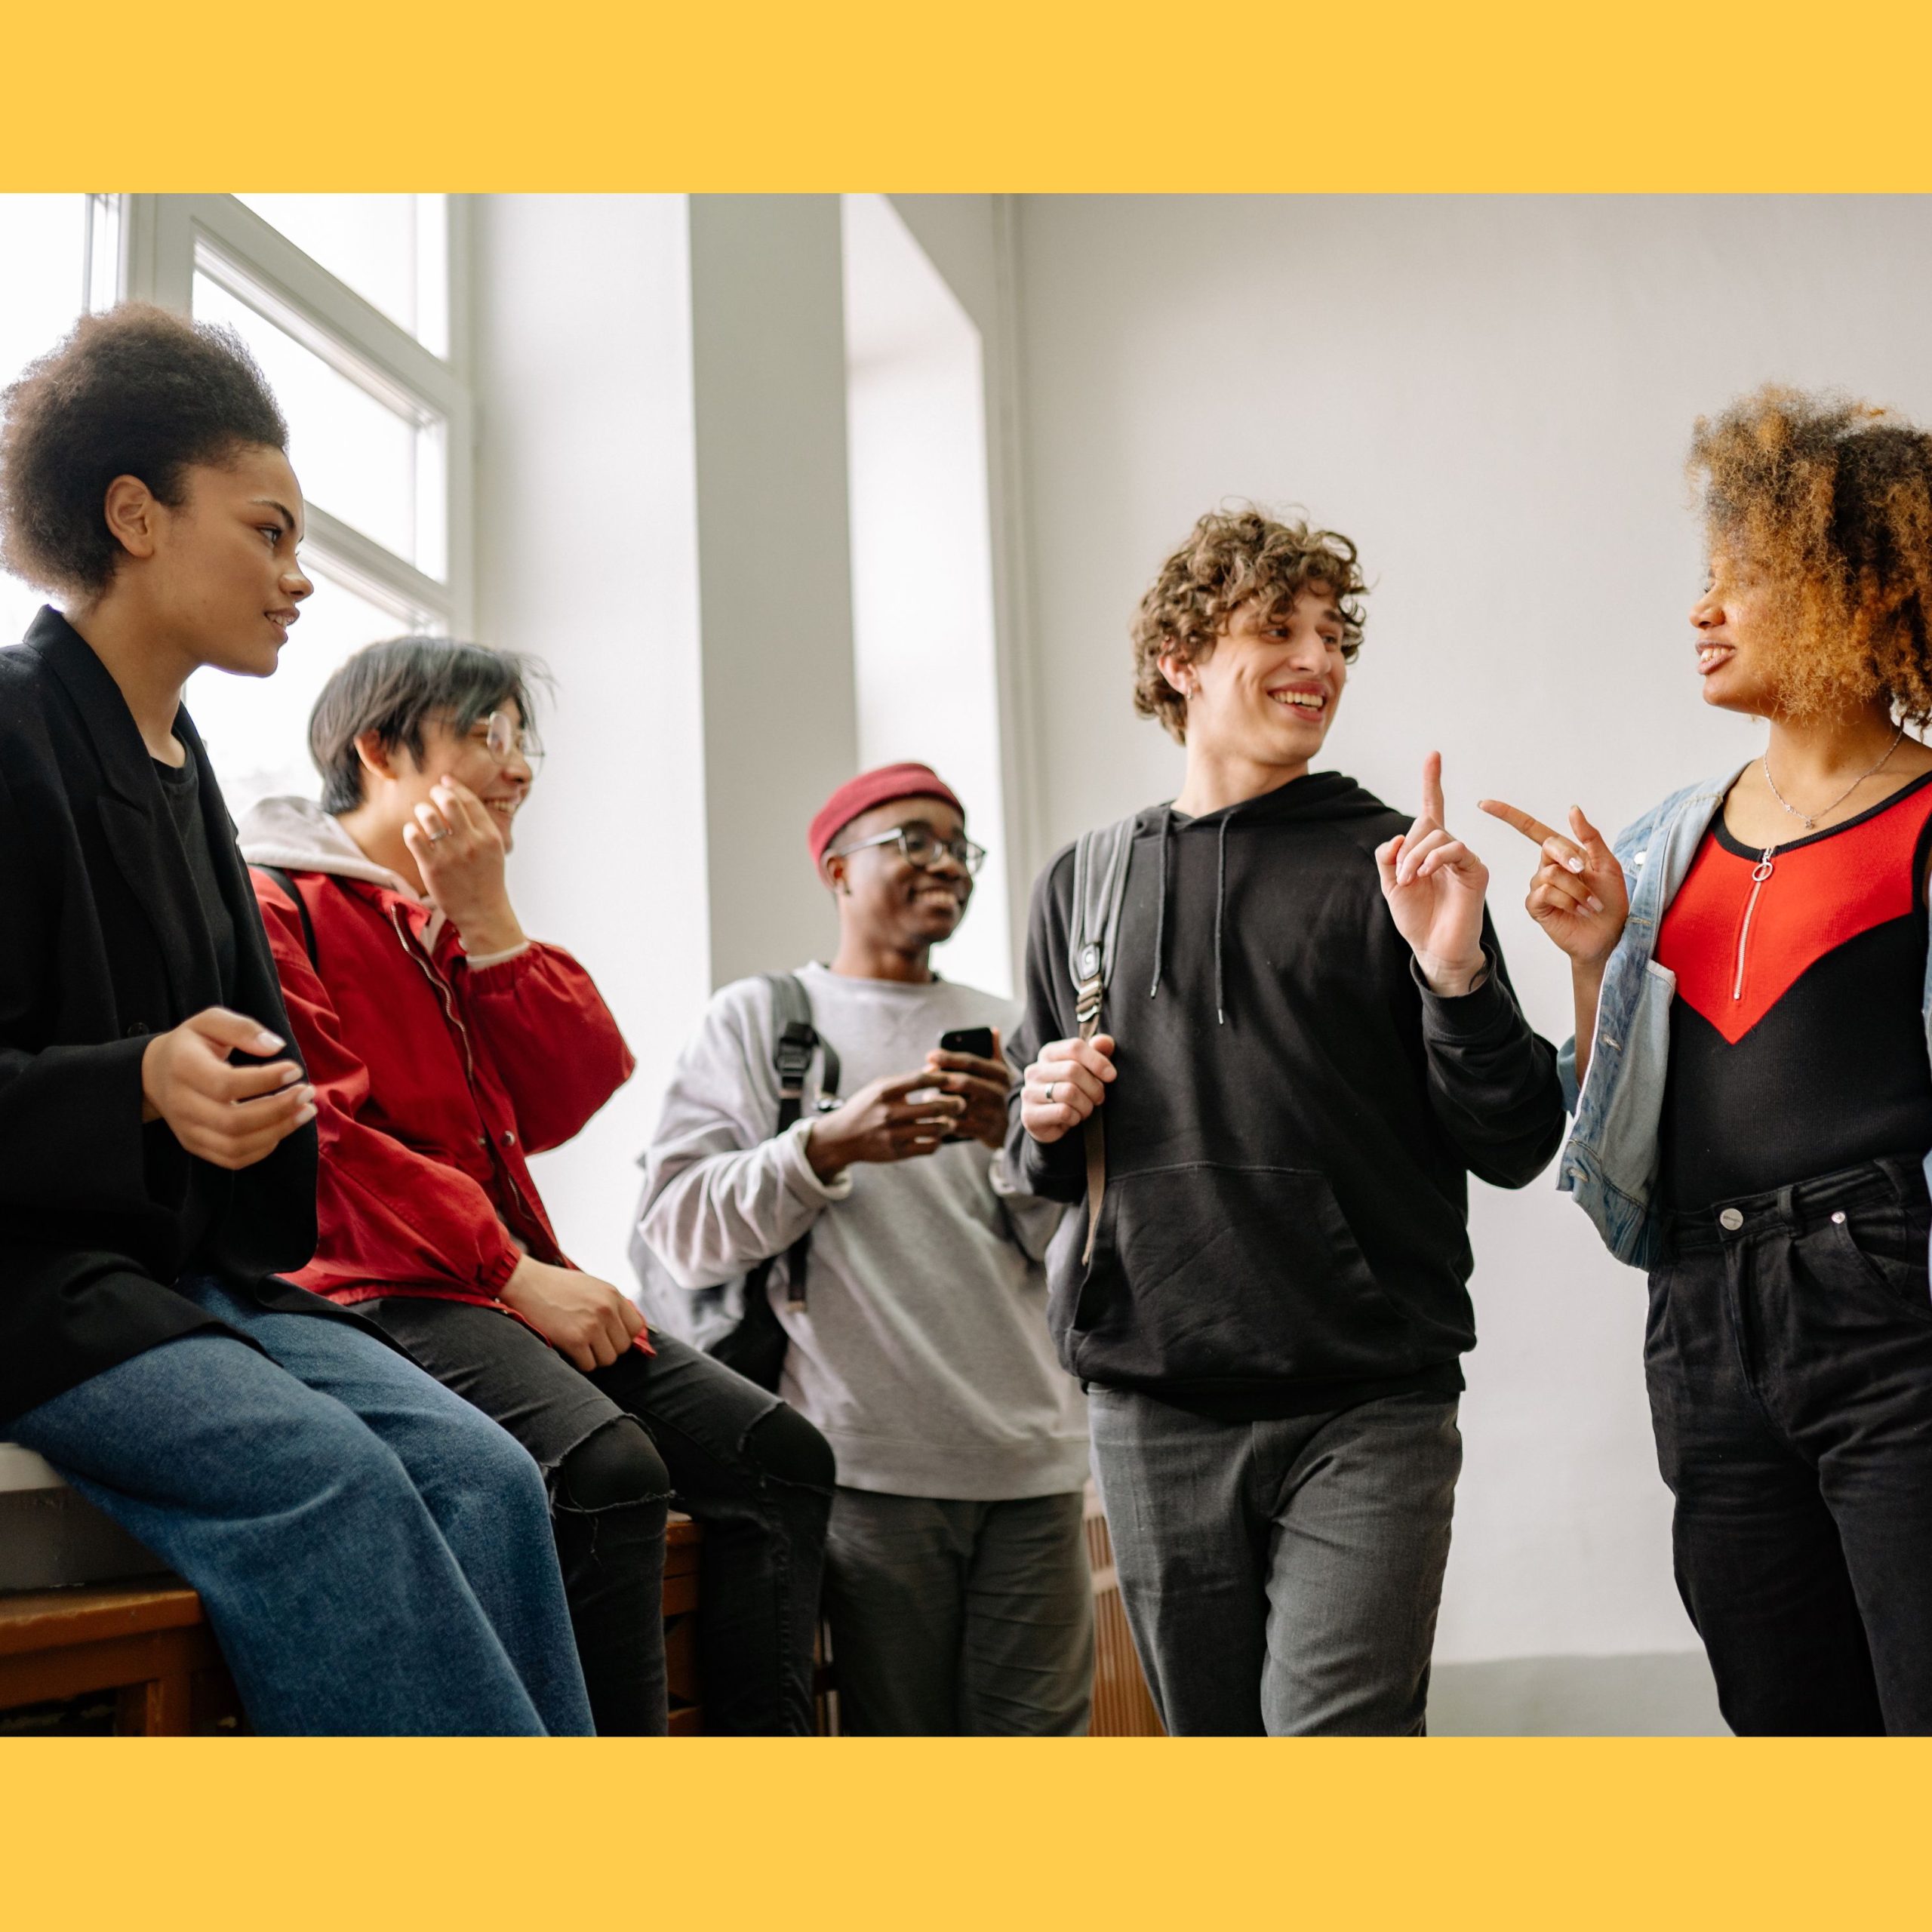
503,736
921,845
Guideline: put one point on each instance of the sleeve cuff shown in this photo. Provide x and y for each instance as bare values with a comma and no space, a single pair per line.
497,1274
1465,1016
481,962
1007,1185
799,1170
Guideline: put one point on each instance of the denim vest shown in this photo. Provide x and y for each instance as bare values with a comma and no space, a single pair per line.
1609,1162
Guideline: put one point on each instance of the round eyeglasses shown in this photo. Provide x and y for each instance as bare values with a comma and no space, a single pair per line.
504,738
920,845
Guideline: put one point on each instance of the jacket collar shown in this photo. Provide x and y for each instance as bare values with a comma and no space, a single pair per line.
110,725
140,834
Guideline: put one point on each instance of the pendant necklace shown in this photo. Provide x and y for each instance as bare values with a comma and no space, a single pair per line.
1809,820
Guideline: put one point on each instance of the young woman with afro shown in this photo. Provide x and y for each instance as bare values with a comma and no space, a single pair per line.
374,1554
1750,1079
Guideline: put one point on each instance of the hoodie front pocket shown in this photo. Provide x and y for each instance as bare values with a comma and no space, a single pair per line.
1212,1273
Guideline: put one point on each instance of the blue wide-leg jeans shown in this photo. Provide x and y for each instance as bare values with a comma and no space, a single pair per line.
374,1554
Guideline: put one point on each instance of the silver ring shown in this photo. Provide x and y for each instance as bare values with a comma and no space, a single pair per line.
435,836
1050,1085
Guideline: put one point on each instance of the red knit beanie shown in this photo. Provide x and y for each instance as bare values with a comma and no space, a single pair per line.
876,787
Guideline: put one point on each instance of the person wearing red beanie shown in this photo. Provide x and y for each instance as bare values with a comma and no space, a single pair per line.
956,1577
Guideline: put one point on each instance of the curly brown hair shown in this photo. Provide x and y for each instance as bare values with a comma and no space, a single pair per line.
1831,499
135,392
1233,558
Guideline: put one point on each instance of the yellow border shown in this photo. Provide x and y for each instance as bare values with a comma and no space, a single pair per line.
826,1838
1038,95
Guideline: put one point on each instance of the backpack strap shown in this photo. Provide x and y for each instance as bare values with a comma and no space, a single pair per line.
1100,862
288,885
796,1040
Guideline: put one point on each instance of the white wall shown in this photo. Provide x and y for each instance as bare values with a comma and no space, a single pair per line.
774,565
586,530
1492,396
925,658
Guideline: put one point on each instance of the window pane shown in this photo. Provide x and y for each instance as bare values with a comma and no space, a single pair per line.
257,729
392,250
43,270
358,457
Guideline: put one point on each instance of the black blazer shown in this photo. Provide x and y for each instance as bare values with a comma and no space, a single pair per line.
103,943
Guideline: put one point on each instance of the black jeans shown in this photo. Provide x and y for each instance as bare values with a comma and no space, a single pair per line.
1788,1354
619,1447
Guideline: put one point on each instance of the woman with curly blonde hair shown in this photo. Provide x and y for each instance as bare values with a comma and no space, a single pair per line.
1754,1005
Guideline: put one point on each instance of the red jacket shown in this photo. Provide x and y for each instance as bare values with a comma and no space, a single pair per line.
434,1079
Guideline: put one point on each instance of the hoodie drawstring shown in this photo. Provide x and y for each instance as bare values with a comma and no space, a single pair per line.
1220,909
1220,906
1161,901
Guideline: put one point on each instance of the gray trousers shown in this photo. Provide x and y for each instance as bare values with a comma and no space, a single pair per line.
954,1619
1281,1578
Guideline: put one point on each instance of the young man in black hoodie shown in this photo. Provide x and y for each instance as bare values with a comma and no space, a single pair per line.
1309,1041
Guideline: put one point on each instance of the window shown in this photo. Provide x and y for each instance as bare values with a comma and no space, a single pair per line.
352,305
924,651
392,250
59,255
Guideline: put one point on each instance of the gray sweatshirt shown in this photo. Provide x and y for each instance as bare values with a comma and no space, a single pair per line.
922,1354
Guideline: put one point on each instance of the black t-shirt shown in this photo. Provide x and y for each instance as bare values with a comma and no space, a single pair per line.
181,786
210,1187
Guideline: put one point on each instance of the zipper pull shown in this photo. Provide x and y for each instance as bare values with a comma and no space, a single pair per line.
1761,872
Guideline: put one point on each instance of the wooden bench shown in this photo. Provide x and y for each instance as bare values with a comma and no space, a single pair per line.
681,1538
147,1641
1123,1705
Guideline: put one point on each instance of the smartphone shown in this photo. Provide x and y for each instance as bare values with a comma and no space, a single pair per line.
977,1041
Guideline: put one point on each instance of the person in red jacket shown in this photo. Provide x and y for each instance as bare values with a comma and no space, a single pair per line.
444,1047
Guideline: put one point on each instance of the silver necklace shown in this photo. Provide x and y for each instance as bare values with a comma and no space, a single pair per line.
1811,819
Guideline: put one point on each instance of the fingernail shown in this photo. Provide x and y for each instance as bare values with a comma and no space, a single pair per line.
1575,865
267,1042
1594,903
305,1117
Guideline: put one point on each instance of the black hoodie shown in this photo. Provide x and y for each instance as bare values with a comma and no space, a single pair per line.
1284,1226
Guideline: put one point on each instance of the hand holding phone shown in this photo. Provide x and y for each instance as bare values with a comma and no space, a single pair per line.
969,1063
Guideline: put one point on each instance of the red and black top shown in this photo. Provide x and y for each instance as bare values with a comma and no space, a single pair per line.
1797,1037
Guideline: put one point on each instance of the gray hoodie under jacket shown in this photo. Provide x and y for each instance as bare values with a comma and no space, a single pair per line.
922,1354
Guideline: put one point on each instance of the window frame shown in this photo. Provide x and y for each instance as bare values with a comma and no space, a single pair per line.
162,236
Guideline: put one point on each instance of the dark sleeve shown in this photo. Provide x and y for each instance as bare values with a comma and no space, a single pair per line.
1058,1173
70,1116
1492,1082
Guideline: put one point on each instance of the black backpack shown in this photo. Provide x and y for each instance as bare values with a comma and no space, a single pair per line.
734,1321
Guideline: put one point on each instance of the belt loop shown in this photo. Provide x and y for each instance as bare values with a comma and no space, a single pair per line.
1787,1202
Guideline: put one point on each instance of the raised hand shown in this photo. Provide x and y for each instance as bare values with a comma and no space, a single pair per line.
1433,885
232,1116
1578,896
460,851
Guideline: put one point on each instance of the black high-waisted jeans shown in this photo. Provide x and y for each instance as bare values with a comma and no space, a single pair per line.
1789,1353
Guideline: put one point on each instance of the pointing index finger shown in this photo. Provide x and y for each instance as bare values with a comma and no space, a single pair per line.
1431,787
1532,829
